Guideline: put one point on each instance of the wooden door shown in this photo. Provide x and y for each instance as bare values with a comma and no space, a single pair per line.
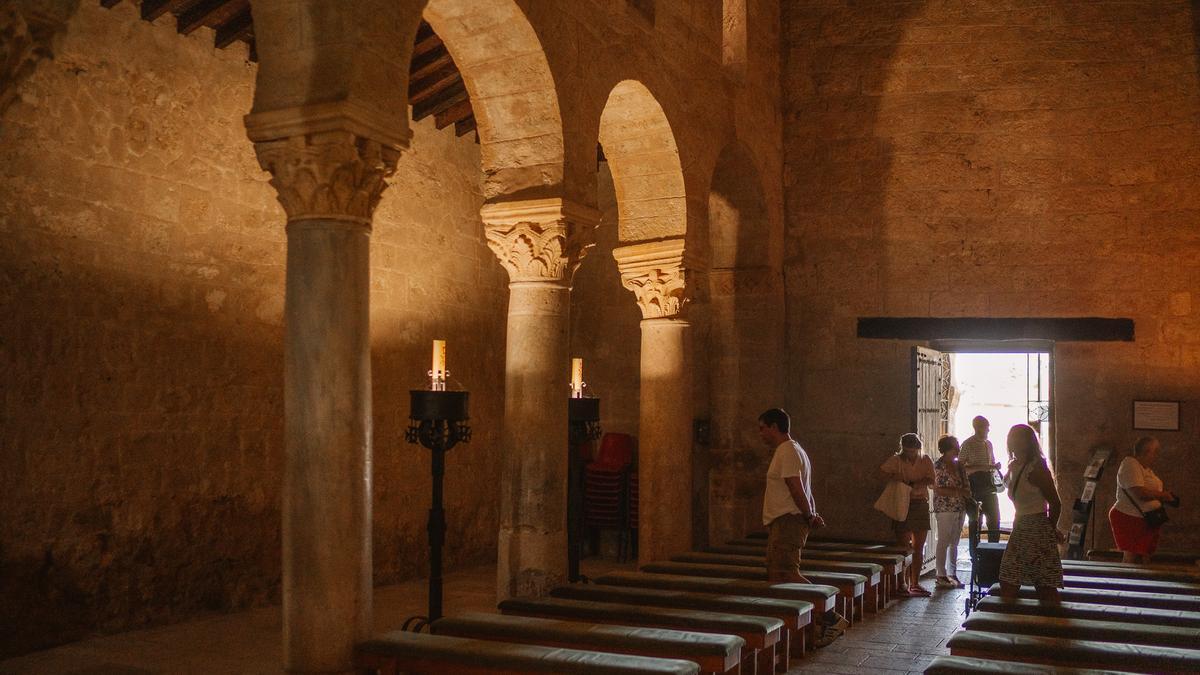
930,414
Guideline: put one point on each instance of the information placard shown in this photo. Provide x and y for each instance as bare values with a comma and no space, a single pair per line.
1156,415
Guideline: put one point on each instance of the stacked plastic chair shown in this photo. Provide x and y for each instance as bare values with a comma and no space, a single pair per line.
606,489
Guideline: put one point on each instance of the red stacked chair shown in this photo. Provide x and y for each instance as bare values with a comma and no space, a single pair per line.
605,486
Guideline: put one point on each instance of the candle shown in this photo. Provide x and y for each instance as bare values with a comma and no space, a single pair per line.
577,378
438,371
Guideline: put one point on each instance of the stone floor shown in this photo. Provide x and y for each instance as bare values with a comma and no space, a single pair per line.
904,639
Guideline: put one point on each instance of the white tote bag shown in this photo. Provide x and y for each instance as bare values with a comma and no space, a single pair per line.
893,502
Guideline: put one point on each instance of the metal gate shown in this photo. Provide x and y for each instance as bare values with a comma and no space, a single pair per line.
931,389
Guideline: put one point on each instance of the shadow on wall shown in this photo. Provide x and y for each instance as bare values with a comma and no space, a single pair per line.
837,65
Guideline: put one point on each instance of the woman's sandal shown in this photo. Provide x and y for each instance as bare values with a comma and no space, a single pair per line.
905,593
918,592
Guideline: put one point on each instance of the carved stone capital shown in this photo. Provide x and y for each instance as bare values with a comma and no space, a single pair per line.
540,240
334,175
657,273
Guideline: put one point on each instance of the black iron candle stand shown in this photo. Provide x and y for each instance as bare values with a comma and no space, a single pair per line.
583,424
438,421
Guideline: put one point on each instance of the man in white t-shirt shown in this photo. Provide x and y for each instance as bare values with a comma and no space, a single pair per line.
789,512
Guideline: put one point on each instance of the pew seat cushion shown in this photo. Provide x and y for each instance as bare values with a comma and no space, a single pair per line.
1102,631
600,636
1084,610
953,665
441,653
737,604
685,619
717,585
1086,653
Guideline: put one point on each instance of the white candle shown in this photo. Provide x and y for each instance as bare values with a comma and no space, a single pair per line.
438,371
577,378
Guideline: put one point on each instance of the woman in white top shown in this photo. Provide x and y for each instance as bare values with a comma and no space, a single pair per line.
1032,556
1136,480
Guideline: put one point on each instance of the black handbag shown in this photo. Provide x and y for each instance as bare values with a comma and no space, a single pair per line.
1155,518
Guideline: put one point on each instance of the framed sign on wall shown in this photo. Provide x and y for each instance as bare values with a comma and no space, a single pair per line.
1156,415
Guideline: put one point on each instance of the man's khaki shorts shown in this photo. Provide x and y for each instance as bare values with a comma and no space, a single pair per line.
786,535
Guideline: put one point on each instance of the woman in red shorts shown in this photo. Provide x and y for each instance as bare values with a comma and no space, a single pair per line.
1136,480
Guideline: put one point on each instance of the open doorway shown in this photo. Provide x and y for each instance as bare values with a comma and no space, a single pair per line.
1007,388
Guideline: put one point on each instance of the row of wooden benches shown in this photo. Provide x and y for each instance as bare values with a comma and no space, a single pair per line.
1113,617
710,611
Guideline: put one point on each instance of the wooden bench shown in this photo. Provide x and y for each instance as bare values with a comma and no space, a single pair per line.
850,587
895,562
1143,585
713,653
1113,555
1127,598
796,615
1092,611
1084,568
819,573
421,653
1073,653
760,633
960,665
1090,629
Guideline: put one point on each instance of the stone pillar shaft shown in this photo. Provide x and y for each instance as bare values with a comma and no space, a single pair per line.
656,273
540,243
665,441
329,184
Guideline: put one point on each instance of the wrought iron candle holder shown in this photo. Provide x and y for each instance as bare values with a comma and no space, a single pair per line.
583,424
438,421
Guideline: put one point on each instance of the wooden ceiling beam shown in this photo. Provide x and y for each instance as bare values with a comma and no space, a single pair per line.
428,64
465,126
238,27
199,14
455,113
427,88
109,4
451,96
152,9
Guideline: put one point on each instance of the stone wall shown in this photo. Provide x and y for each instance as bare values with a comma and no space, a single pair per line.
991,159
141,339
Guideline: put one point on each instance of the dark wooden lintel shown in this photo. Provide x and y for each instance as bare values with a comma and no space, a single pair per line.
152,9
238,27
200,14
1086,329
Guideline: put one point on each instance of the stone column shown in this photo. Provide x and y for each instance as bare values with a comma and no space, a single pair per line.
540,243
329,184
656,272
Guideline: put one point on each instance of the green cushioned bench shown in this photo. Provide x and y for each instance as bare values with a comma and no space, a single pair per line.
1092,611
1143,585
881,569
1161,558
760,633
1127,598
895,560
1102,631
1120,571
1074,653
823,598
421,653
857,584
850,587
796,615
876,576
962,665
713,653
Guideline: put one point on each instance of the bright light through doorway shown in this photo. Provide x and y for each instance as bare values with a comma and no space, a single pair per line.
1007,389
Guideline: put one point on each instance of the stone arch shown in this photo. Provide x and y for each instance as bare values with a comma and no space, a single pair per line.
512,94
744,326
640,148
